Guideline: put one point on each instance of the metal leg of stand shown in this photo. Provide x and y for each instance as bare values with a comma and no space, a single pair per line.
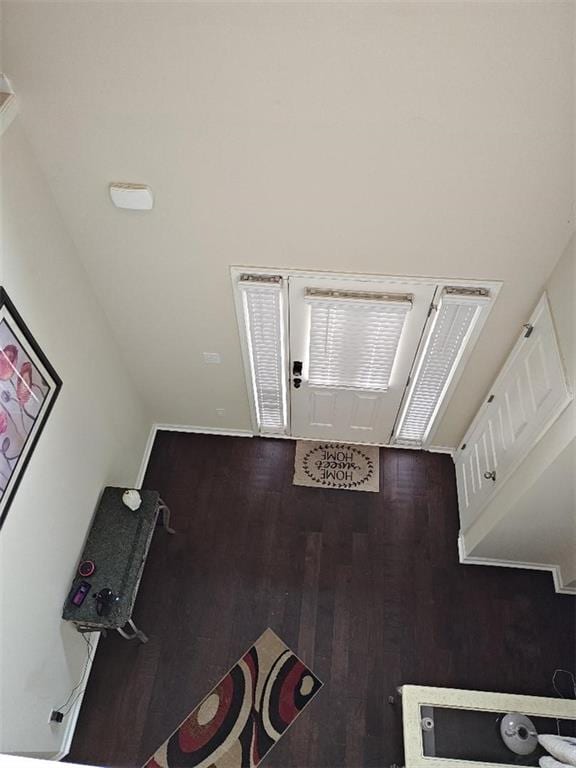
87,630
165,510
137,633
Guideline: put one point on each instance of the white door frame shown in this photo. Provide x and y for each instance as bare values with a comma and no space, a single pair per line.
236,270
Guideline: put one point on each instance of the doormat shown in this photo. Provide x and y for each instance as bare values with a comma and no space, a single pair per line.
245,714
337,465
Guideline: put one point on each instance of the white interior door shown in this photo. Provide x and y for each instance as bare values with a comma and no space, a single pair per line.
352,345
527,396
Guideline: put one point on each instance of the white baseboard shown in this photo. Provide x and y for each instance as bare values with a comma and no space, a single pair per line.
72,716
182,428
145,457
429,449
226,431
246,433
441,449
559,586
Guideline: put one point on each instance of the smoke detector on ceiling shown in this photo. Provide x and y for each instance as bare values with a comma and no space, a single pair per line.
135,197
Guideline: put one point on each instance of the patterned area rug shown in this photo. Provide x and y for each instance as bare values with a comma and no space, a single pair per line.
337,465
245,715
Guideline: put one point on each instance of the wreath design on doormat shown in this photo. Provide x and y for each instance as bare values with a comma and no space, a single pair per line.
338,465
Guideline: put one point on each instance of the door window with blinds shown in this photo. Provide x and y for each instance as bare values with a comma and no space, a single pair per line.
264,321
354,337
328,358
455,319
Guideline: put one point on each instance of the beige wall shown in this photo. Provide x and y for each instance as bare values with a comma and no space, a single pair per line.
95,436
431,138
540,527
533,517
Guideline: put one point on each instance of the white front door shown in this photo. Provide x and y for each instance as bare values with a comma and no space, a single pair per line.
528,394
352,345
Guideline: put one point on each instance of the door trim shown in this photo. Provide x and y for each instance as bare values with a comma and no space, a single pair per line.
440,282
238,269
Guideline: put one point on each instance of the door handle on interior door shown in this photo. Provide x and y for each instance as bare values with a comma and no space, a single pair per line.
490,475
297,383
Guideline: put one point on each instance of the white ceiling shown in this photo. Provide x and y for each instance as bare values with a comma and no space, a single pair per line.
409,138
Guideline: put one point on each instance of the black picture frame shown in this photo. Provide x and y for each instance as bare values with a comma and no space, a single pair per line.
12,323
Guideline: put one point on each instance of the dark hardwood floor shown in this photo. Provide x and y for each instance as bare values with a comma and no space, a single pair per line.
365,587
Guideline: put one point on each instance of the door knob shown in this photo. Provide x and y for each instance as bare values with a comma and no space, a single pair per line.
297,383
490,475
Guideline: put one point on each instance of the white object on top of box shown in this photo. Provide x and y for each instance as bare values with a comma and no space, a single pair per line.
132,499
136,197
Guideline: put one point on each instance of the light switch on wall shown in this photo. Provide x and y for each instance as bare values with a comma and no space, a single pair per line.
212,358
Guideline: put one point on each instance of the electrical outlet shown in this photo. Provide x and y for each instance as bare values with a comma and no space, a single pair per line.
219,411
212,358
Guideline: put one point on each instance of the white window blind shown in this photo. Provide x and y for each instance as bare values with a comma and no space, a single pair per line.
354,341
262,301
456,317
